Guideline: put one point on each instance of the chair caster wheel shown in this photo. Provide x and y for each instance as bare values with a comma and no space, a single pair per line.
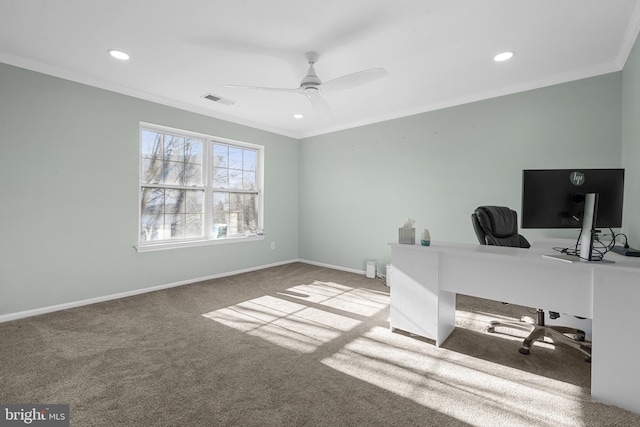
490,329
523,350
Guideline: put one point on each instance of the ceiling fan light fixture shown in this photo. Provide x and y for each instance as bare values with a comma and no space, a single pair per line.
118,54
312,92
503,56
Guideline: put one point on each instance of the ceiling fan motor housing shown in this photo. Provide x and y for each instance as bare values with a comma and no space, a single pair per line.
311,79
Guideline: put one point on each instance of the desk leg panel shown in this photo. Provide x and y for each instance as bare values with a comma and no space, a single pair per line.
446,316
614,373
414,291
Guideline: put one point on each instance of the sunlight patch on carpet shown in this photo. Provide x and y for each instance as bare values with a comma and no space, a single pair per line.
298,326
478,320
436,378
360,301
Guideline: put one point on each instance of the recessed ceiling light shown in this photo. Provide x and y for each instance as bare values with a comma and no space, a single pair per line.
504,56
298,116
118,54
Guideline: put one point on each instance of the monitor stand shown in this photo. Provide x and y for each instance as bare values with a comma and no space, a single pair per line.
586,235
588,226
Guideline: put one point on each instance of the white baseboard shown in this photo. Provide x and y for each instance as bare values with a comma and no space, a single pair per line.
50,309
379,274
333,267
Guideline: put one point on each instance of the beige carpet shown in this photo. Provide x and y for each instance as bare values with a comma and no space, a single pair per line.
296,345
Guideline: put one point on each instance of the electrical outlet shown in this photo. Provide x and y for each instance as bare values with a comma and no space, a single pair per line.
273,245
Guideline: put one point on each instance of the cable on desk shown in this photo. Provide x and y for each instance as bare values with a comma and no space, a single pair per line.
599,249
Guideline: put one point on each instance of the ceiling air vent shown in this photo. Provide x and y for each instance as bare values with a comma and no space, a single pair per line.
218,99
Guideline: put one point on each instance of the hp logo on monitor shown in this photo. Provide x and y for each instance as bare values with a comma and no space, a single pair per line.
577,178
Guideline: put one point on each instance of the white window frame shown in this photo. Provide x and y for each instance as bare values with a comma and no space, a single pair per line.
207,152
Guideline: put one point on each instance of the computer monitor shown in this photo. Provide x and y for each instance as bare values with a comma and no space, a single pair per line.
558,198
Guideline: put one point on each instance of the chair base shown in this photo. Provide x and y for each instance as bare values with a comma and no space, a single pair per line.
574,338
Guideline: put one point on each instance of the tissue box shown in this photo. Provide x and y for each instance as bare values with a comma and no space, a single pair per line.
407,236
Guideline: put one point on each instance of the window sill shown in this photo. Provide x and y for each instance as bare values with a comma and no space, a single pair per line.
149,247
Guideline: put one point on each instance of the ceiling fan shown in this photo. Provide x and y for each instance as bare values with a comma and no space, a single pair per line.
312,87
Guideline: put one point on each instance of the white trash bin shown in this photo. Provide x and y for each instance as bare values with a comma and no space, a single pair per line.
371,269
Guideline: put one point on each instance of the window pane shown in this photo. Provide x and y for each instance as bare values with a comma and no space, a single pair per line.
151,171
251,213
195,202
192,174
220,156
151,144
172,172
193,150
235,223
235,179
249,180
152,213
220,215
163,214
221,178
174,226
183,214
235,158
152,201
174,148
149,225
194,226
235,201
220,207
171,159
151,162
237,211
174,202
250,158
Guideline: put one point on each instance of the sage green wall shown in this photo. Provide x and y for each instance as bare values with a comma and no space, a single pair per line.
359,185
69,170
69,173
631,144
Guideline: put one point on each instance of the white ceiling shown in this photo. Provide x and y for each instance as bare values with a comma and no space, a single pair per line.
438,53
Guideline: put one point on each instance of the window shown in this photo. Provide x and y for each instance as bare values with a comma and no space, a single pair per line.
197,189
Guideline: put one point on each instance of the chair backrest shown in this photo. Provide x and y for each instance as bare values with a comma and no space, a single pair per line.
497,226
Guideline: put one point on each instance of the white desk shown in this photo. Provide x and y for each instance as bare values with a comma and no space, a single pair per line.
425,280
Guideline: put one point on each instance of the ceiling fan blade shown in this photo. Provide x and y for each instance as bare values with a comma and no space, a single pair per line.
320,107
354,79
271,89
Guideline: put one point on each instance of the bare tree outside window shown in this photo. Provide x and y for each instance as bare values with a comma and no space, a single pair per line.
235,189
171,203
197,188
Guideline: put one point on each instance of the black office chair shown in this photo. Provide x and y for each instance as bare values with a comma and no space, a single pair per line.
498,226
